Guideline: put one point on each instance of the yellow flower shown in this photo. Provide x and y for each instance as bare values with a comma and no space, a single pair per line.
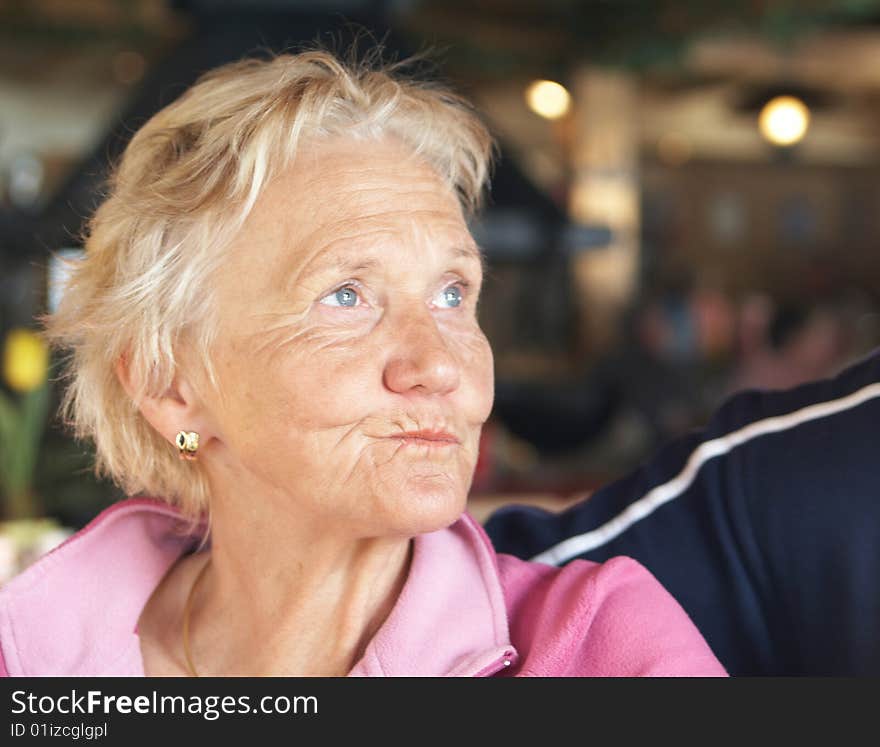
25,360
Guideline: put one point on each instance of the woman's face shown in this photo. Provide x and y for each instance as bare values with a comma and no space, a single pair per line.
353,376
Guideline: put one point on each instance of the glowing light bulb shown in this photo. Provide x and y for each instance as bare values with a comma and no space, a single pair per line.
784,120
548,99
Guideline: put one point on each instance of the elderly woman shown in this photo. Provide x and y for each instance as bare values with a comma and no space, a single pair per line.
275,330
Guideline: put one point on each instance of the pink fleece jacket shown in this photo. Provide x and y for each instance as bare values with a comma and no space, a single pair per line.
464,610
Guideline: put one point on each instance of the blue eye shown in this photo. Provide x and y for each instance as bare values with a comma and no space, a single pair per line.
451,296
345,296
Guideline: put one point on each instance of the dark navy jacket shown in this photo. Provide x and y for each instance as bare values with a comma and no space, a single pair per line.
765,526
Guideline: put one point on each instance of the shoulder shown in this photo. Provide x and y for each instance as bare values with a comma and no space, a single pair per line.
599,619
794,446
75,610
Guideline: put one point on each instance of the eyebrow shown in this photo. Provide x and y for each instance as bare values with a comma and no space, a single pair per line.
472,251
350,264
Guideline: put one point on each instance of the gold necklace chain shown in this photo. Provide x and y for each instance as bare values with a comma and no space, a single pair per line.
191,670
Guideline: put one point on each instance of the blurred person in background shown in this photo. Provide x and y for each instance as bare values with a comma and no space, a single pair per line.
793,345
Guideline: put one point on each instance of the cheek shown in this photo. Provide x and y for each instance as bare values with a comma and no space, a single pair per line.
325,384
478,371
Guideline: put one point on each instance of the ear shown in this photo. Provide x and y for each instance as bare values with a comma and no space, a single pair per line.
176,409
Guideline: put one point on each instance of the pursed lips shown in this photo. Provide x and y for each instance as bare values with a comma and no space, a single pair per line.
427,438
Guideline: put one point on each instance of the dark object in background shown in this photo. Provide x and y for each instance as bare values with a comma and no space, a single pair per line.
556,418
787,322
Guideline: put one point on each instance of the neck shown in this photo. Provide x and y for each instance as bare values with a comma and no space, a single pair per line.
285,595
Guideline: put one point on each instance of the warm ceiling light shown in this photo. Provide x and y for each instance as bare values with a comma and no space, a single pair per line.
784,120
548,99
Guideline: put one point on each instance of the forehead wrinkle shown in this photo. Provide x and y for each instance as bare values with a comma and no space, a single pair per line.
366,239
318,261
342,191
363,184
337,168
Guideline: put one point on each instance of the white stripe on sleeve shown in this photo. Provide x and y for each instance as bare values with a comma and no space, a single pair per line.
656,497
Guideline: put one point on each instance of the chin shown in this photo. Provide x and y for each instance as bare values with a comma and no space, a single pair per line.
427,509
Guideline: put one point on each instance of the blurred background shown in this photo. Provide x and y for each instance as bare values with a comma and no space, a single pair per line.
686,205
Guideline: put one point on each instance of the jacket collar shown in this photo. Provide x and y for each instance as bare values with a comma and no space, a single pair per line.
450,618
75,611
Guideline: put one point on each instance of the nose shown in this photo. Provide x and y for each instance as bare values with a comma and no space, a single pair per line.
421,361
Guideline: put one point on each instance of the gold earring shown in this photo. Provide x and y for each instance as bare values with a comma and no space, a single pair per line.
187,444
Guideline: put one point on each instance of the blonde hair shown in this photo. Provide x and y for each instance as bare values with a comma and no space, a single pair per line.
185,184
